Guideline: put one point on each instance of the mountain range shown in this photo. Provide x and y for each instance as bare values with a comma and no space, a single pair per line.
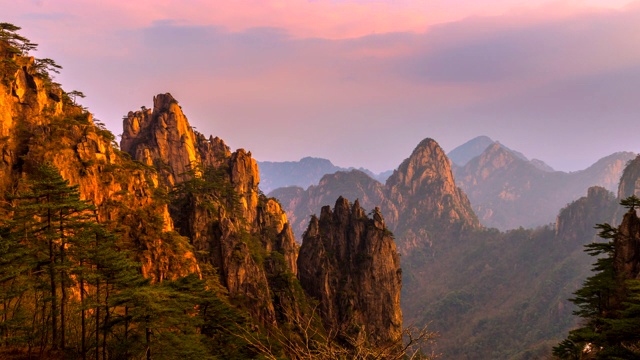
473,284
303,173
508,191
166,244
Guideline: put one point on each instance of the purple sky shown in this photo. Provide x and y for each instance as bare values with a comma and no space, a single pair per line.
359,82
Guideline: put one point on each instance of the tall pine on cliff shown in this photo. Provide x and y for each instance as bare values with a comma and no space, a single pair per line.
52,247
609,300
69,285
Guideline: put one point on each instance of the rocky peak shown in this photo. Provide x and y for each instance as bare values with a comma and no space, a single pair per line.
630,180
575,222
161,137
40,123
426,196
626,258
495,158
462,154
230,224
349,263
426,165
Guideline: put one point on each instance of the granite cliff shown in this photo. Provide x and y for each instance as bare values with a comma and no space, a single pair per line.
39,124
349,263
429,203
231,225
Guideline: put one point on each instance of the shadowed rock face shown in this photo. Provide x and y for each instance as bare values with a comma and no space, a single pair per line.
630,180
349,263
626,260
576,221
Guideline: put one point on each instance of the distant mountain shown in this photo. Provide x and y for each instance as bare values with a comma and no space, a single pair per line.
474,286
429,203
467,151
300,204
507,191
304,173
464,153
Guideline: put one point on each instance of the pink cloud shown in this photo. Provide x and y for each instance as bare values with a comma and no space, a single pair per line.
333,19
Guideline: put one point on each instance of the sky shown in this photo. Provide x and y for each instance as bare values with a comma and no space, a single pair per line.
359,82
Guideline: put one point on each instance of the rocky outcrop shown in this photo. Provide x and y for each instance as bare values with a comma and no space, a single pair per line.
162,137
626,258
630,180
349,263
575,222
218,204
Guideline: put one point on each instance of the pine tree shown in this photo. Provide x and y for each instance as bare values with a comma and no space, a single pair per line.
608,303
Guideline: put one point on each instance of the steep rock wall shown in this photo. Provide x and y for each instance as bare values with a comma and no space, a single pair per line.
349,263
232,226
39,123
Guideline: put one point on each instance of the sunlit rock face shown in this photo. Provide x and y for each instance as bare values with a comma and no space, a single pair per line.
232,226
428,202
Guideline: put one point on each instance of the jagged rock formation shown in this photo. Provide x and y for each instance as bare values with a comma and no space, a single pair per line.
507,191
303,173
349,263
168,179
626,259
231,225
163,138
575,223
